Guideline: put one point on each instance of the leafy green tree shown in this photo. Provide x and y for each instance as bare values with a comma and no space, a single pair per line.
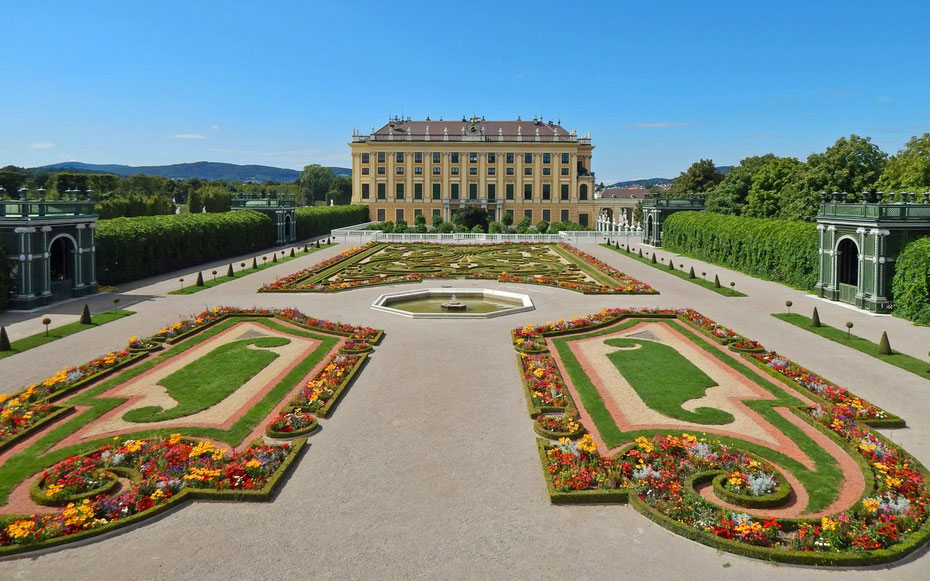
340,191
523,225
12,178
909,169
701,177
507,219
851,165
314,183
400,226
478,229
729,197
764,198
495,228
542,226
437,220
443,227
471,216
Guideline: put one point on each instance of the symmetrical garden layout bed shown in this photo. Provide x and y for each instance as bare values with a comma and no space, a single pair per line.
183,414
713,437
558,265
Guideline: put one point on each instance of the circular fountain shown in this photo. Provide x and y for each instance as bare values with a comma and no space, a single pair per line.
462,303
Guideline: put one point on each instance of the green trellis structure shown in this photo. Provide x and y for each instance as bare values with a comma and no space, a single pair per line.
281,208
860,239
50,249
656,209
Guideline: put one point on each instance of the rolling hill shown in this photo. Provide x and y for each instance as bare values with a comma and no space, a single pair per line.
206,170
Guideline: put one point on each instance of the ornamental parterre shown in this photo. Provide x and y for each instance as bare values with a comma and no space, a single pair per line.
662,475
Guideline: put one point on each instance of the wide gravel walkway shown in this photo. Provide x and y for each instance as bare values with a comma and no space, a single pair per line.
428,468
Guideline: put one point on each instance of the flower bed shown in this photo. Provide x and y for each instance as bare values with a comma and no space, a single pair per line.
322,392
167,471
354,346
291,425
658,475
72,480
558,426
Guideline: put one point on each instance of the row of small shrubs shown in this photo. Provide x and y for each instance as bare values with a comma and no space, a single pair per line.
135,248
4,280
910,286
321,219
782,250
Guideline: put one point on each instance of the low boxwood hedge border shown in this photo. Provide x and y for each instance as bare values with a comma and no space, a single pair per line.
263,494
330,406
314,425
38,496
549,434
60,412
773,500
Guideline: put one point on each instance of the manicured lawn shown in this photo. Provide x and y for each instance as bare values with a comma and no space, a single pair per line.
724,288
209,281
56,333
210,379
664,379
905,362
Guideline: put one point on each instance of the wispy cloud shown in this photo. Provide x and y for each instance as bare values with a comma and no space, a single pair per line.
189,136
42,145
662,124
215,127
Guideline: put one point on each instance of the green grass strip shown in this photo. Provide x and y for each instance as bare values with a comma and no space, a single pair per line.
38,456
708,284
906,362
822,483
664,379
38,339
592,271
192,288
210,379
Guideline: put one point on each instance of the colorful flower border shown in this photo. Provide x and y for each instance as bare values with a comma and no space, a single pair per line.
658,475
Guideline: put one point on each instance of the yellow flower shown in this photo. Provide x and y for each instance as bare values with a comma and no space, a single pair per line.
870,504
827,524
253,463
587,444
174,439
53,489
157,495
643,444
20,528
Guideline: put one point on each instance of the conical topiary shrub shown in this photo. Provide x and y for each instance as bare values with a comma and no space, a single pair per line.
292,253
317,243
654,261
199,279
691,273
229,271
4,340
640,252
274,257
716,281
306,248
85,315
254,263
815,318
884,347
671,264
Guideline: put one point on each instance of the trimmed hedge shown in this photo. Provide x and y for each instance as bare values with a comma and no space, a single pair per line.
910,286
780,250
135,248
321,219
4,280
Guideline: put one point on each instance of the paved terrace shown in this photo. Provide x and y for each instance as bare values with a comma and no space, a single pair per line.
429,469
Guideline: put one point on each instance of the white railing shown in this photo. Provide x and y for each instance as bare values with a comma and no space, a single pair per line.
360,236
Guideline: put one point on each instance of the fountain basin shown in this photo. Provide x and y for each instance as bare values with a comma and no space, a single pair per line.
470,303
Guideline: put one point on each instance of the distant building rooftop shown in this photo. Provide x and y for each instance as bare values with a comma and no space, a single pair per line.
474,129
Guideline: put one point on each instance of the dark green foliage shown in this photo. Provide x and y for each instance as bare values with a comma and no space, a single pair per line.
716,281
292,253
910,286
255,262
884,347
815,318
671,264
317,244
691,273
640,252
780,250
199,279
4,340
133,205
274,257
4,280
134,248
321,219
85,315
654,258
229,271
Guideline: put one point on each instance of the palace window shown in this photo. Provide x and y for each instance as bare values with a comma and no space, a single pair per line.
583,192
399,190
398,214
509,171
564,158
547,171
546,191
400,170
509,158
509,191
583,219
436,170
437,157
365,191
365,158
455,171
381,215
472,171
527,171
547,215
564,216
418,157
547,158
437,191
380,157
492,158
491,171
365,171
381,170
455,191
492,192
418,170
528,214
418,191
473,157
472,191
564,194
454,157
399,157
527,191
564,171
381,188
527,158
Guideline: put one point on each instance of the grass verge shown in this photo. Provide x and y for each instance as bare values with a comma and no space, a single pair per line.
38,339
906,362
709,285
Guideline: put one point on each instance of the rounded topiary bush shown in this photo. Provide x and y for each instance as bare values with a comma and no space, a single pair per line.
910,286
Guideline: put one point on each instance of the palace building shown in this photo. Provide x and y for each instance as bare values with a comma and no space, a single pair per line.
533,169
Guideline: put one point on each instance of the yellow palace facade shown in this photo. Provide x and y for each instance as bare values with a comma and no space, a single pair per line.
532,169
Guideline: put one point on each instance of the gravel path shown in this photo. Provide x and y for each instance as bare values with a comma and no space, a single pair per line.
428,468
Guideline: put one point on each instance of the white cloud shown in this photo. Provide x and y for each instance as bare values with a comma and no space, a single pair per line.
189,136
662,124
215,127
42,145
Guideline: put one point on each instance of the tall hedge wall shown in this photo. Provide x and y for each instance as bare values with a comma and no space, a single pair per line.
910,286
4,280
134,248
321,219
781,250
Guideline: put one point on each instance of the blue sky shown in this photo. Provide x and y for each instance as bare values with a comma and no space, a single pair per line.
658,84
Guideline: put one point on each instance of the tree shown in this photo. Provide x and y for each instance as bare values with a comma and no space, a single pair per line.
542,226
764,198
507,219
340,191
523,225
909,170
314,183
851,165
729,197
471,216
701,177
